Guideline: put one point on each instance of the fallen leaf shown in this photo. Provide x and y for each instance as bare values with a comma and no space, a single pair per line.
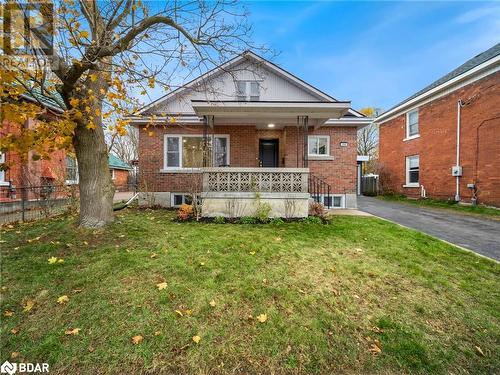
377,330
85,243
14,331
161,286
77,290
73,332
8,313
29,305
212,303
277,239
63,299
375,349
154,255
52,260
179,312
121,235
60,261
252,252
355,296
91,349
202,263
196,339
14,355
479,351
262,318
157,333
137,339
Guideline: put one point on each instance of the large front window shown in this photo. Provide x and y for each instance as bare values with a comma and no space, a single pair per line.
2,172
185,151
319,145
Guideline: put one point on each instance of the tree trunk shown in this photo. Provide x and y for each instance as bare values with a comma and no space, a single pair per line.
96,187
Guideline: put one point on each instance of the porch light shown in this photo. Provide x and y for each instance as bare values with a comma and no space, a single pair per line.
270,125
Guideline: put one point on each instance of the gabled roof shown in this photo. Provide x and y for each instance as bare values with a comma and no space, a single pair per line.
37,96
117,163
249,55
466,67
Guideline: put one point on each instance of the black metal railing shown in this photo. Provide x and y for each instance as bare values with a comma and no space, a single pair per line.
320,191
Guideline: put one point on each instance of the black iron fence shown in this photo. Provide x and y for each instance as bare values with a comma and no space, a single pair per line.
320,191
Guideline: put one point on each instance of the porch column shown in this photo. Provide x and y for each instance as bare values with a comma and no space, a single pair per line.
205,141
305,131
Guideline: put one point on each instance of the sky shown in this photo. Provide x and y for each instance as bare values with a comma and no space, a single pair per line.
374,53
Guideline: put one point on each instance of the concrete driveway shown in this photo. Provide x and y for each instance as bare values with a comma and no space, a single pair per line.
471,232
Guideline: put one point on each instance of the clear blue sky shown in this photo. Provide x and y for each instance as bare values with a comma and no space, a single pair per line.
374,53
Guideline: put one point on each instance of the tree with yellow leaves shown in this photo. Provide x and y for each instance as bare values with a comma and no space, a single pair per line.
86,57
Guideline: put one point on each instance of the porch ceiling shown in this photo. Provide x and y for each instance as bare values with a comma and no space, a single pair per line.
271,111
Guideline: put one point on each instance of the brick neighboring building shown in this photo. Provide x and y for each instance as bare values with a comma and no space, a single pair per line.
418,137
256,120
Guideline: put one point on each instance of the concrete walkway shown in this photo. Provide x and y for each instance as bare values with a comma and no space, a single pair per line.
471,232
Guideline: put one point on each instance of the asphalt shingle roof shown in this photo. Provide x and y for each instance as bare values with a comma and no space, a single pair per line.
468,65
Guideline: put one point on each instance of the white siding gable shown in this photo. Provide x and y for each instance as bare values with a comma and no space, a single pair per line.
273,87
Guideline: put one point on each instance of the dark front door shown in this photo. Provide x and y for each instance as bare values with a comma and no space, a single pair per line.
268,152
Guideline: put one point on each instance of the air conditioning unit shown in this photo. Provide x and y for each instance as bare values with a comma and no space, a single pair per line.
456,171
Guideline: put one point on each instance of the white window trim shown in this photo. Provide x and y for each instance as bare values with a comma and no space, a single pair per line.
180,136
407,172
342,200
407,134
319,156
113,177
2,173
248,89
72,182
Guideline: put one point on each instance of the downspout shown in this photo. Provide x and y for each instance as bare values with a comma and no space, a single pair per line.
457,163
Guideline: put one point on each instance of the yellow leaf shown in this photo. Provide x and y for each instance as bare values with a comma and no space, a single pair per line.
52,260
137,339
157,333
196,339
8,313
60,260
479,350
153,256
14,331
161,286
262,318
375,349
179,312
63,299
14,355
72,332
212,303
74,102
252,253
29,305
84,34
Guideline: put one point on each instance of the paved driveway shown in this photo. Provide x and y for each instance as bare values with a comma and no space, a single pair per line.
473,233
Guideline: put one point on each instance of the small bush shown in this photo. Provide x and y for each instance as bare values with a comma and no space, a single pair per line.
312,220
277,221
185,212
247,220
219,220
263,211
317,209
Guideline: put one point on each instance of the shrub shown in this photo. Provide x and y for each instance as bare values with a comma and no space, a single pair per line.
312,220
263,211
219,220
277,221
185,212
317,209
247,220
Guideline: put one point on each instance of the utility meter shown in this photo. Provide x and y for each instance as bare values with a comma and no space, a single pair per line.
456,171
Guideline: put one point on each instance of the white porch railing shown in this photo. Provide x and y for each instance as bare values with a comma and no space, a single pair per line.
265,180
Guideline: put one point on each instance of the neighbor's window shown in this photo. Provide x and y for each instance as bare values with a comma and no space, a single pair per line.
187,151
412,123
2,172
71,170
412,170
247,90
319,145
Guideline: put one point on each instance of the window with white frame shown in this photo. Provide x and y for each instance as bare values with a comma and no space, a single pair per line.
332,201
412,124
2,172
71,170
247,90
176,199
186,151
319,145
412,170
112,172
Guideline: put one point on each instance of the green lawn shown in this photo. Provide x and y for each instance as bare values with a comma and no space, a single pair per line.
488,212
332,294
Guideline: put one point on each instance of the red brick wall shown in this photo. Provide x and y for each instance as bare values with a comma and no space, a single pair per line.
480,144
244,152
121,179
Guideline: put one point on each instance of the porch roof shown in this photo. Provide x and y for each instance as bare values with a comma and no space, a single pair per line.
269,110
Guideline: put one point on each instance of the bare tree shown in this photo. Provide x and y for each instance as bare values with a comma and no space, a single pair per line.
126,147
102,51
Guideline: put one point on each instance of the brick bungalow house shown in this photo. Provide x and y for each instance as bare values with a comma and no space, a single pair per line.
444,141
249,128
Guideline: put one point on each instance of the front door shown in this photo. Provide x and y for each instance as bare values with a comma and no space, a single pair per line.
269,153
